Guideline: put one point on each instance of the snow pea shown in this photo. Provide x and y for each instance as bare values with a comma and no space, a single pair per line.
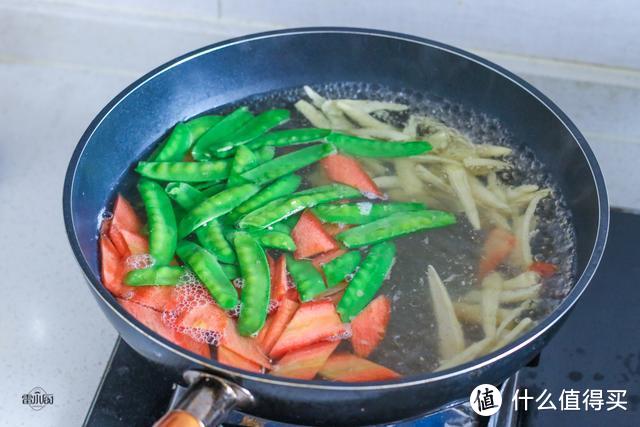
277,237
177,145
243,160
394,225
367,280
231,270
161,220
221,131
185,195
200,125
253,129
210,188
281,187
285,138
308,280
362,147
265,154
257,283
275,240
205,265
290,221
196,126
166,275
215,206
336,270
284,207
185,171
212,236
288,163
362,212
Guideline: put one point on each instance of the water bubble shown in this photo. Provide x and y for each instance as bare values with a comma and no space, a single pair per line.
137,262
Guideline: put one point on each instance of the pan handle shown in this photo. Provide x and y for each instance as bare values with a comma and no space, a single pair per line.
206,402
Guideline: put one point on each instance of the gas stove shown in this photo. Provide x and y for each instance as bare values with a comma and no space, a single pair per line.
597,350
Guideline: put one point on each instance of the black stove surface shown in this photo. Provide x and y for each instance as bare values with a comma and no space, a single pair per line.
598,348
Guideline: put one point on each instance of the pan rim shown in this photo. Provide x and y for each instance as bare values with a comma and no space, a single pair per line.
412,380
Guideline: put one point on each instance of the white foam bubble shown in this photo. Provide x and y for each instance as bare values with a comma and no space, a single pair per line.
137,262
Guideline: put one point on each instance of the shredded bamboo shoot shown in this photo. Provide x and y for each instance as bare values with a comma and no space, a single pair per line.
460,184
315,117
450,336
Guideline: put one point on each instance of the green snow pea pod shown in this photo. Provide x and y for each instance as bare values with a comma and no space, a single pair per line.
185,195
336,270
284,207
253,129
210,188
205,265
197,127
200,125
367,280
265,154
212,237
257,283
281,187
215,206
243,160
288,163
363,212
285,138
362,147
276,240
221,131
231,270
308,280
161,220
188,196
281,227
185,171
289,222
166,275
177,145
395,225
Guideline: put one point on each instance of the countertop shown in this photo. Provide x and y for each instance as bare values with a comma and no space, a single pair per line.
60,62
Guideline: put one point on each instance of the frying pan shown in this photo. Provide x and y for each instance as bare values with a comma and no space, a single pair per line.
229,71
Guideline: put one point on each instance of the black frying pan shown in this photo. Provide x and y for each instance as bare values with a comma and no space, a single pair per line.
229,71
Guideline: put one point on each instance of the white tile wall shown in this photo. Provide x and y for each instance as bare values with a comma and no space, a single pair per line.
62,60
601,32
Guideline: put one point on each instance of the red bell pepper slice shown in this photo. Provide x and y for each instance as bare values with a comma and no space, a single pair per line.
155,297
497,247
544,269
188,343
347,367
247,347
228,357
333,229
112,268
324,258
304,363
276,324
279,281
346,170
314,321
128,242
310,237
153,320
125,217
205,316
369,327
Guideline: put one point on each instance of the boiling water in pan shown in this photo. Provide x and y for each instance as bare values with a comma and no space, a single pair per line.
410,345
